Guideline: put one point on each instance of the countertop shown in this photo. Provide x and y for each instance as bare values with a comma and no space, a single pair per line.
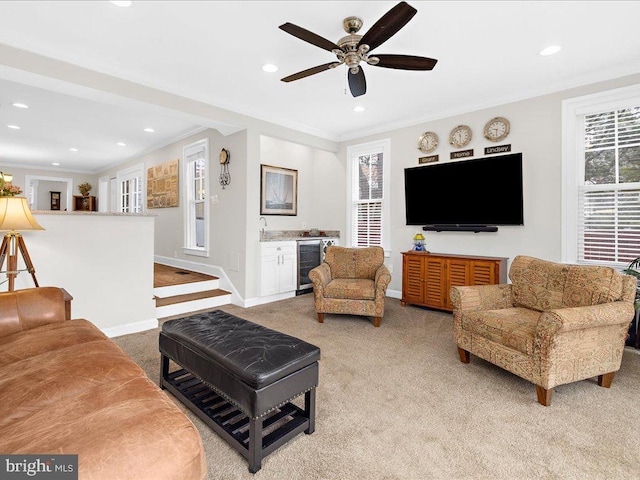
295,235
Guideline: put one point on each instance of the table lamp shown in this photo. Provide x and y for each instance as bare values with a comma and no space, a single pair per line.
16,216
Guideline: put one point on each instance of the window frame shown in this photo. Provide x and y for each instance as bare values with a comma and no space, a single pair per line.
353,153
573,168
188,203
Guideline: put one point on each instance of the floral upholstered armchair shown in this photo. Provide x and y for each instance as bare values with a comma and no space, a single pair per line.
555,324
351,281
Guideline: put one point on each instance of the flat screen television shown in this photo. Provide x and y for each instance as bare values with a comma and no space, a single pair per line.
465,193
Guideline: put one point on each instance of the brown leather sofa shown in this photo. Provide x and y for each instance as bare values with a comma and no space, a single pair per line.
65,388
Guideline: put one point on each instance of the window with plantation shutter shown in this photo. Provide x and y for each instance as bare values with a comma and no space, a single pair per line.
369,194
607,181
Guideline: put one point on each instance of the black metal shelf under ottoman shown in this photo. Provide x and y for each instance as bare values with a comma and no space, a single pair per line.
239,378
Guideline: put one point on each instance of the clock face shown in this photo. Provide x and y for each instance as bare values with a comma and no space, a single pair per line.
496,129
428,142
460,136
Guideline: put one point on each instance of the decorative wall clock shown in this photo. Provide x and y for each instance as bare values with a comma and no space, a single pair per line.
460,136
496,129
428,142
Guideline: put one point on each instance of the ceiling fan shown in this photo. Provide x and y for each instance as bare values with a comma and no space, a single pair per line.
354,49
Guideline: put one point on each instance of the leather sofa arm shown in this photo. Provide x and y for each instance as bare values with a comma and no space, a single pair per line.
580,318
481,297
32,307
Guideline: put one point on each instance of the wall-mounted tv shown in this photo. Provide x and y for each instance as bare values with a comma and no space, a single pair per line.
466,193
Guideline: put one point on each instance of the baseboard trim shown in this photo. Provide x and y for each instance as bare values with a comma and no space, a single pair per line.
128,328
394,293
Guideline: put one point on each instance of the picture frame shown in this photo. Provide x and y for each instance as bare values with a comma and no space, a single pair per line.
278,190
55,200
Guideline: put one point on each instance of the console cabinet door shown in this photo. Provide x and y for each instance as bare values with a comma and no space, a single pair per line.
436,282
459,274
413,279
428,278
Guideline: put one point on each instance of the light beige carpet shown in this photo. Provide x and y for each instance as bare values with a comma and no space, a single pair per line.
396,403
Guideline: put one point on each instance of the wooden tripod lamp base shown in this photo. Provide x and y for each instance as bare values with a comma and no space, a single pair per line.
11,244
15,216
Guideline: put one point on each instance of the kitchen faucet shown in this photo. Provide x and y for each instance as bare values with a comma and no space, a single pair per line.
265,224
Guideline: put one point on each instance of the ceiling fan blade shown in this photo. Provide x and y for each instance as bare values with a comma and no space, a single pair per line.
406,62
310,71
390,23
308,36
357,83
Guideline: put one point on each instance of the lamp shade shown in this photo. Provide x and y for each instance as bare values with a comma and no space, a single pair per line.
16,215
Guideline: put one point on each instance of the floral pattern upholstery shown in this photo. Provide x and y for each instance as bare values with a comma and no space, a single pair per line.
351,281
554,324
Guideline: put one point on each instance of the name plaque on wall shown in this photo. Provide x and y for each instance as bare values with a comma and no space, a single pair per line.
497,149
429,159
462,154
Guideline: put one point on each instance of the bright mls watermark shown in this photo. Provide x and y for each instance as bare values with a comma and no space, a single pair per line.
49,467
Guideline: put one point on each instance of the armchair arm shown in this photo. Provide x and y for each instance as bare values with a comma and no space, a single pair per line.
382,280
579,318
481,297
320,276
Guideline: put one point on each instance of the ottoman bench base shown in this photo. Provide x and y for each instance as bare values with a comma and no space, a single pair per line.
245,434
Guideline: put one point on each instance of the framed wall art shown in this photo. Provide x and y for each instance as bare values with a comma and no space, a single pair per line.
278,191
162,185
55,200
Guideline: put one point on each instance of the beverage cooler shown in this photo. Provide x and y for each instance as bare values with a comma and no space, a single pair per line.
310,254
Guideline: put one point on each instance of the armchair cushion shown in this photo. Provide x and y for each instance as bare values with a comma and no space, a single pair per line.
512,327
544,285
352,288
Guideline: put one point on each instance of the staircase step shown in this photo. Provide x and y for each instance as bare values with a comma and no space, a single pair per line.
189,297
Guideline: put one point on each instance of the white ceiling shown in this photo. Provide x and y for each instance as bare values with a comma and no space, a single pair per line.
212,51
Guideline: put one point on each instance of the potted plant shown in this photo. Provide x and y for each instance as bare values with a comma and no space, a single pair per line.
634,269
84,188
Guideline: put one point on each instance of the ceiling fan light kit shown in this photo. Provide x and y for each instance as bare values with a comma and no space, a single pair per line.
353,49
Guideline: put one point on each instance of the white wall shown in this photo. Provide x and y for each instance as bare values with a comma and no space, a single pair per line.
43,202
536,131
104,261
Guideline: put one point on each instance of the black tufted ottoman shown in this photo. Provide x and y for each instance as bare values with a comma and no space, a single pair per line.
239,377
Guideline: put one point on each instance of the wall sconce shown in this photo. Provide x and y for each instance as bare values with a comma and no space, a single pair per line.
225,176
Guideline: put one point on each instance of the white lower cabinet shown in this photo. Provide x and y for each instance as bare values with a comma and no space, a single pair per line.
277,267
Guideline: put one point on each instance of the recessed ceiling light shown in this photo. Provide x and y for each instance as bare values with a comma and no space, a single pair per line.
149,130
20,105
14,127
55,164
550,50
270,67
121,144
122,4
73,149
359,108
